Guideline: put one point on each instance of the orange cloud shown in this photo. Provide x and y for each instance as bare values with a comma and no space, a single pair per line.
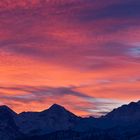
89,48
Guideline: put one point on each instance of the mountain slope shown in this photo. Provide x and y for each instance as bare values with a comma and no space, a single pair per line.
124,116
91,128
58,123
53,119
8,128
128,113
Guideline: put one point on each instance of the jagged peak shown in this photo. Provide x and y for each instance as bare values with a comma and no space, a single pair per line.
138,102
4,108
134,103
56,109
124,110
56,106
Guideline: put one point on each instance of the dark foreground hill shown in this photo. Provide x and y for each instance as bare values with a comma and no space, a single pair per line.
57,123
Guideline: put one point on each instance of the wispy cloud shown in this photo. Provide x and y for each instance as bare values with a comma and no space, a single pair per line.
49,45
42,95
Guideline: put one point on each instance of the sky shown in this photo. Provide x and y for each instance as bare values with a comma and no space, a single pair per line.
81,54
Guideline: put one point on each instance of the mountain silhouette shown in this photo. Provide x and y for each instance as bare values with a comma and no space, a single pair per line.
130,112
6,112
53,119
58,123
8,128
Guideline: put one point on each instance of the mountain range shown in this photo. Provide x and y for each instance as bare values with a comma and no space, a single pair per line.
57,123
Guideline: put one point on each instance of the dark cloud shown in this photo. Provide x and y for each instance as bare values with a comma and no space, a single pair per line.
40,93
113,10
31,30
79,35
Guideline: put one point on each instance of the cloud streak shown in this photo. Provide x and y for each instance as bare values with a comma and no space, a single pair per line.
42,95
58,43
